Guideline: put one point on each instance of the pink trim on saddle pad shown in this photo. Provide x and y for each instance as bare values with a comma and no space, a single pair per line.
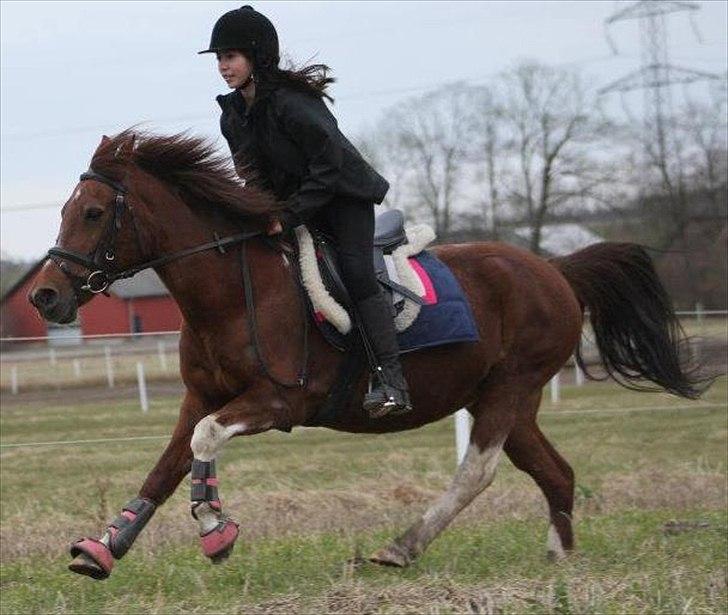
430,294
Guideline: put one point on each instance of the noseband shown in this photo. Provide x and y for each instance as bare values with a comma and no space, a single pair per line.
100,261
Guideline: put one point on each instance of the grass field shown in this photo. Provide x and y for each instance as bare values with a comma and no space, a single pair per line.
650,517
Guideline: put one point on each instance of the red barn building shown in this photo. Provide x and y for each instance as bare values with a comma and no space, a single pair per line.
140,304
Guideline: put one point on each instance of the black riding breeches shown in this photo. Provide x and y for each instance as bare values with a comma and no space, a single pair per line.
351,224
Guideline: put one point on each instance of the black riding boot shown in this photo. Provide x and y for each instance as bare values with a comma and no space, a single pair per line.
389,388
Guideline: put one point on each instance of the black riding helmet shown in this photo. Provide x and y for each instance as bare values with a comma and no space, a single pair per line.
248,30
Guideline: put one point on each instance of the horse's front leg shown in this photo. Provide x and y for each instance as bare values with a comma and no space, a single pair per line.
95,557
257,410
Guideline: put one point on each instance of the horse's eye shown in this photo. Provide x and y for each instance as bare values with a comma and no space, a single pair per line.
93,214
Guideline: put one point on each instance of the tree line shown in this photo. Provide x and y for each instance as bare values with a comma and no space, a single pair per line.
536,145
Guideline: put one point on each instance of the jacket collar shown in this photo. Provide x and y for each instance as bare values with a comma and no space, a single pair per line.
235,100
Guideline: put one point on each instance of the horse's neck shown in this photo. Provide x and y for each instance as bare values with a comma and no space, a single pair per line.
206,285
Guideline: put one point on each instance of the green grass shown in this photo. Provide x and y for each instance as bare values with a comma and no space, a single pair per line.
629,549
312,500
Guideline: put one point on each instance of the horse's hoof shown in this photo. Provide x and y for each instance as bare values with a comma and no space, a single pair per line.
393,555
218,543
91,558
555,551
219,558
556,555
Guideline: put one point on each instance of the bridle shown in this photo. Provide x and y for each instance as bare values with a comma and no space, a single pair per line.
100,261
102,273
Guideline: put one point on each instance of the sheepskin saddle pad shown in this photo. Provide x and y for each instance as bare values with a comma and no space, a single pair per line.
399,274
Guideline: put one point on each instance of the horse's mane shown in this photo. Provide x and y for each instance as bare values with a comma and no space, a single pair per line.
202,176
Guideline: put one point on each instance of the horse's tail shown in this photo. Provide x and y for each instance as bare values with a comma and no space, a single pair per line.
636,330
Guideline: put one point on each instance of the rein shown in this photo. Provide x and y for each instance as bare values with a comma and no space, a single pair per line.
102,275
99,260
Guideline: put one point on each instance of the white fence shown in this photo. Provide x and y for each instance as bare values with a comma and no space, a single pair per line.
135,359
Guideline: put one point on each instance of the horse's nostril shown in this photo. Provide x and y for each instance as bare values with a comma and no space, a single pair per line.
44,298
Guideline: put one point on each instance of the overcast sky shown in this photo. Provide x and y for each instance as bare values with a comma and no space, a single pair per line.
72,71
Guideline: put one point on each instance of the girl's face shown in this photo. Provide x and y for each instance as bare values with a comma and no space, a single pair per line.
234,67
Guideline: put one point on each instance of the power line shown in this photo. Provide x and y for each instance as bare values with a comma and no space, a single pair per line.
29,206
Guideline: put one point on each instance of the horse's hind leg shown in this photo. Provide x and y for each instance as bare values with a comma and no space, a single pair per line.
494,417
530,451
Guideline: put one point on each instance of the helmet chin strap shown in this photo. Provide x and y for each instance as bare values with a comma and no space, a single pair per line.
248,81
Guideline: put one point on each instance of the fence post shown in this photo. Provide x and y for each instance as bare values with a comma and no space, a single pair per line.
162,355
109,367
555,389
143,400
462,433
14,379
699,314
77,369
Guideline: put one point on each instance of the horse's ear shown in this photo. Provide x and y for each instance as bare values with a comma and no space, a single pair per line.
126,147
104,139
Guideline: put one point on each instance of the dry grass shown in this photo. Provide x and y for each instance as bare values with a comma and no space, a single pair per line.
578,594
373,505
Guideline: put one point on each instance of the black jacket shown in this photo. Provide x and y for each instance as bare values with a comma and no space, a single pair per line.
293,143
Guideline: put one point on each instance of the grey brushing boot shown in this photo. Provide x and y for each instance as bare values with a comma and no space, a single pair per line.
389,388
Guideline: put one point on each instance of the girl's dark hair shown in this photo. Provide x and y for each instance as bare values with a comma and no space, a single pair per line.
313,79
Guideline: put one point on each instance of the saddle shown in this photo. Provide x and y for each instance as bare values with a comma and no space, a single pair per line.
399,278
430,306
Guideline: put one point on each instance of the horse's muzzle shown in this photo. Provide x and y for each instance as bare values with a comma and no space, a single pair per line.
51,305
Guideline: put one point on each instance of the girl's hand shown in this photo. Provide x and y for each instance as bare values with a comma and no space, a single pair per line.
274,227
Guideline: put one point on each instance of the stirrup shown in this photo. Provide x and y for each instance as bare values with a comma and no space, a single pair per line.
387,404
388,408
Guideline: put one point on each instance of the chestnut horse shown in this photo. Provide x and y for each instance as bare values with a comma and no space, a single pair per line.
174,204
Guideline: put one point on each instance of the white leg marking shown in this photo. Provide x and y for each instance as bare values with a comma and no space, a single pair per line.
209,436
207,439
553,544
474,474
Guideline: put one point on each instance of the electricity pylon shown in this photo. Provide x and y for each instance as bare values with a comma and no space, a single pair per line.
656,74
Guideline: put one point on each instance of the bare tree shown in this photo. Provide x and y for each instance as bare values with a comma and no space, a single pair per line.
682,162
524,143
704,127
382,149
487,144
431,134
551,127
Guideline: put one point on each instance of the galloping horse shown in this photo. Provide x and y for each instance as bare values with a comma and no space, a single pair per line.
173,204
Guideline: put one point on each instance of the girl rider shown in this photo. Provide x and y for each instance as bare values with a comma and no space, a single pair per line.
277,121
